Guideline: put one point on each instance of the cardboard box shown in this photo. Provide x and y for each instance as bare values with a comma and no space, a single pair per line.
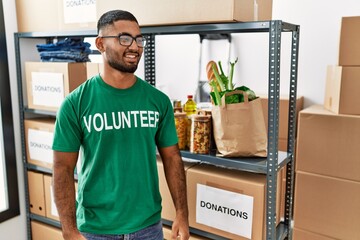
328,143
51,210
36,193
342,90
39,133
299,234
191,11
168,209
60,15
283,117
49,82
93,69
41,231
327,206
349,53
228,203
83,15
167,235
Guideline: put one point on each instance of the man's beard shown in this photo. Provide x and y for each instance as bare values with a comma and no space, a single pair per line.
122,67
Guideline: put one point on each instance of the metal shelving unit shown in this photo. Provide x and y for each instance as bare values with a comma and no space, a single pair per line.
268,166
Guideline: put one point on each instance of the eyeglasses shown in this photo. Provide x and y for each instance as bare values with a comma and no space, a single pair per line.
127,40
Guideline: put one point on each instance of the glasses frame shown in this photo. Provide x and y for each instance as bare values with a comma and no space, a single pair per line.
132,39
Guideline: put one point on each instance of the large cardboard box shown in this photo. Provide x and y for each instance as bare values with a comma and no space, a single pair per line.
168,209
328,143
228,203
41,231
191,11
299,234
327,206
342,89
63,15
60,15
283,117
349,53
39,133
36,193
49,82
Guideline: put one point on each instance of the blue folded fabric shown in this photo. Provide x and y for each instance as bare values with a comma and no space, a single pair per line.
67,50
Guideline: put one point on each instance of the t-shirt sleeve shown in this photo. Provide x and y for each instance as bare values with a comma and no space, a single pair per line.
166,135
67,134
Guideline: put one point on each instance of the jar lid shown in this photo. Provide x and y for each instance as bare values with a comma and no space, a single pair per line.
180,114
203,118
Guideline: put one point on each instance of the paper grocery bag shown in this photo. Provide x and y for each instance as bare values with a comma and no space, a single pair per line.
239,128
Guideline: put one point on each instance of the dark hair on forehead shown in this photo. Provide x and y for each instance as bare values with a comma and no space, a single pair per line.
112,16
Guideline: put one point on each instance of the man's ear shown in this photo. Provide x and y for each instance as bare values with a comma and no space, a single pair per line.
99,44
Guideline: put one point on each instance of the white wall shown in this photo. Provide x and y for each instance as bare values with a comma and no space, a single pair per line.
178,64
14,228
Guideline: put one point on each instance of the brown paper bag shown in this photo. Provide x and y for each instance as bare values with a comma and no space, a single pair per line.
239,128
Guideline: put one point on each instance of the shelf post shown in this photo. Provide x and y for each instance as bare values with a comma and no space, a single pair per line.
149,59
273,126
291,129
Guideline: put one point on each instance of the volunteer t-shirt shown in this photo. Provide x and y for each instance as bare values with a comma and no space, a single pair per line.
118,131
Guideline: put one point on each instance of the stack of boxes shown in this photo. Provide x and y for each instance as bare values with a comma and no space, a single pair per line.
327,189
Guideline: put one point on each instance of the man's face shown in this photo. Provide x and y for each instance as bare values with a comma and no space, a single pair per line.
119,57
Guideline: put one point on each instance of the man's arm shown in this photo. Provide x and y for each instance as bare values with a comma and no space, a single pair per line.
175,177
64,193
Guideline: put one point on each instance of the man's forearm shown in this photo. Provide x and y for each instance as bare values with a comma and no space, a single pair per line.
175,177
64,194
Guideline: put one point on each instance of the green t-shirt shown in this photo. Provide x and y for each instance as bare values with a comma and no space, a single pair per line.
118,131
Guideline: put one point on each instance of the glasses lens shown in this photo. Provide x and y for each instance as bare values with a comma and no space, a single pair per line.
125,40
141,41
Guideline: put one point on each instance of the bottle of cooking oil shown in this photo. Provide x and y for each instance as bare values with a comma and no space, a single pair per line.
190,110
190,106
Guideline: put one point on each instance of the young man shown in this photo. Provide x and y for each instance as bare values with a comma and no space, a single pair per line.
118,120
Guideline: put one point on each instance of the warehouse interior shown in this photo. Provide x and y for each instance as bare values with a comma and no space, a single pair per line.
323,140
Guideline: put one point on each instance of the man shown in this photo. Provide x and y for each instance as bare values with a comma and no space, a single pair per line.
118,120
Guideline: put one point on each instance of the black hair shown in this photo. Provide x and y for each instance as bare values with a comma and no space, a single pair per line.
112,16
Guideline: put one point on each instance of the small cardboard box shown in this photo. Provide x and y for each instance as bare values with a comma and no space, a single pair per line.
49,82
328,143
283,116
299,234
39,133
228,203
349,53
191,11
342,90
41,231
60,15
36,193
168,209
327,206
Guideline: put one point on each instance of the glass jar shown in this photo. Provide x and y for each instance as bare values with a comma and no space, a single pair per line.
181,122
200,134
